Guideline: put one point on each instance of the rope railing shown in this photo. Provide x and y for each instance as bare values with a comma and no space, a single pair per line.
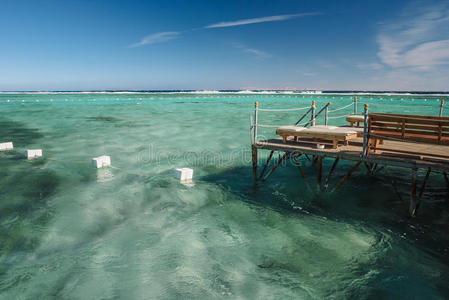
339,116
341,108
314,114
394,105
268,126
283,109
277,126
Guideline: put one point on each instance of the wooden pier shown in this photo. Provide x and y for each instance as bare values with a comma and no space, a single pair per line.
432,157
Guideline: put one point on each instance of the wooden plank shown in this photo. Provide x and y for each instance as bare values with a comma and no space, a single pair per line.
354,149
410,137
395,125
434,131
408,119
412,152
410,116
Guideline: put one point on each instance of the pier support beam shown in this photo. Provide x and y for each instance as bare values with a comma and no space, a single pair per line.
346,176
393,184
319,171
412,207
334,165
266,164
254,159
447,180
275,166
302,172
421,191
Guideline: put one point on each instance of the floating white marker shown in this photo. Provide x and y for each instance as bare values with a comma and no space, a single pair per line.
34,153
101,161
6,146
184,174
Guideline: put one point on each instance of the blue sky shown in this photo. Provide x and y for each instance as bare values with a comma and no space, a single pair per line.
85,45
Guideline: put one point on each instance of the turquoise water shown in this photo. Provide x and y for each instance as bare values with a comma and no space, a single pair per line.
133,231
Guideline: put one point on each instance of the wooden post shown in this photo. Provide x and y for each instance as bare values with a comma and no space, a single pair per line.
412,207
326,114
421,191
355,105
266,164
312,118
302,173
447,180
326,183
346,176
275,166
251,129
365,131
254,158
393,184
441,107
256,108
319,170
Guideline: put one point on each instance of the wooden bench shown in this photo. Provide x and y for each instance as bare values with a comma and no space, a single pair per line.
407,128
355,119
332,133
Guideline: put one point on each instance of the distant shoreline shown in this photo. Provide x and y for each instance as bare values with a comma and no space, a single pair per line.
250,92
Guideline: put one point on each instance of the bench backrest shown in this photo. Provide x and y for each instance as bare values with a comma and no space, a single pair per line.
426,129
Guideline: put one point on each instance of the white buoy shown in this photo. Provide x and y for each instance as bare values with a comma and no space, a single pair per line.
101,161
6,146
184,174
33,153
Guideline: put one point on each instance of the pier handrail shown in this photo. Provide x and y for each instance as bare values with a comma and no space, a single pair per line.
283,109
324,108
254,124
303,116
340,108
441,106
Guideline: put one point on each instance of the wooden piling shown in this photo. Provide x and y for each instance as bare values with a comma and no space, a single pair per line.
319,169
393,184
301,172
326,183
275,166
346,176
266,164
254,159
312,118
365,149
421,191
412,207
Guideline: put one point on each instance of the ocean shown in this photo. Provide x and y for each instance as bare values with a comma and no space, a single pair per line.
133,231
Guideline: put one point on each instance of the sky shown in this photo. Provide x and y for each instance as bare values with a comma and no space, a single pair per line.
209,45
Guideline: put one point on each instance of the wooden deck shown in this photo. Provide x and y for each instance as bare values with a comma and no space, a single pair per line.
430,155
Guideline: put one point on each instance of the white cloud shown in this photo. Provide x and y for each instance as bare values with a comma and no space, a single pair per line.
252,51
260,20
419,40
256,52
370,66
157,38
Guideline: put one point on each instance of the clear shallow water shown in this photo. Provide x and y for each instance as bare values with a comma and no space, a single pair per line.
133,231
